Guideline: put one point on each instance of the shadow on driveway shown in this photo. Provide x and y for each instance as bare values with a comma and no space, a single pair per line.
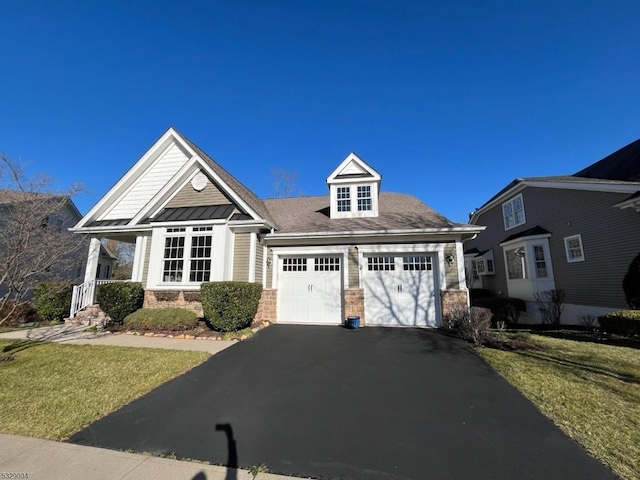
327,402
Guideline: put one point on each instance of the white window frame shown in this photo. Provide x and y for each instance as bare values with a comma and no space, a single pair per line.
510,204
343,194
535,260
567,249
364,198
189,233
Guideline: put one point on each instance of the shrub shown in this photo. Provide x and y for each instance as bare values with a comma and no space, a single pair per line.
120,299
170,319
475,293
623,322
471,325
631,284
18,314
503,308
550,305
53,300
230,306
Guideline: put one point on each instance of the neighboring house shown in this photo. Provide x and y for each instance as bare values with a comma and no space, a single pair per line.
577,233
385,257
19,213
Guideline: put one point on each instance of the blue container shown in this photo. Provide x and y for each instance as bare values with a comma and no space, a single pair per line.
353,323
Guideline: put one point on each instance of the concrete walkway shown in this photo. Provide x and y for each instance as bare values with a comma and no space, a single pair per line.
76,335
54,460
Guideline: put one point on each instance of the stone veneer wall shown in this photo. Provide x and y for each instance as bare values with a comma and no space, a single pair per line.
267,308
354,303
451,298
187,299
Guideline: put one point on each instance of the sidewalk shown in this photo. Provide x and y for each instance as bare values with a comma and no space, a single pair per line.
40,459
76,335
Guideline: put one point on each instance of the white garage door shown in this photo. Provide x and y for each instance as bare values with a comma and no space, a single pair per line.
400,291
310,290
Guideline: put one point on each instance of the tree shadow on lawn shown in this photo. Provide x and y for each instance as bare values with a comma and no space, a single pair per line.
600,338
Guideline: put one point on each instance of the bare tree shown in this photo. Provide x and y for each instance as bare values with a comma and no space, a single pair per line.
284,183
35,245
124,253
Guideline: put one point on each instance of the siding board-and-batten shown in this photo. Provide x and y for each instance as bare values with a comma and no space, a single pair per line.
149,184
610,239
241,257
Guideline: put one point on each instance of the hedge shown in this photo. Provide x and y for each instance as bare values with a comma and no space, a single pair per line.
230,306
170,319
53,300
120,299
623,322
500,306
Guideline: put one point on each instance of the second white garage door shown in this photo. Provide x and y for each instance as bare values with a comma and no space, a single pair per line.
400,291
310,290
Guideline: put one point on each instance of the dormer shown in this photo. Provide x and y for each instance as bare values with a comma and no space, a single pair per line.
354,187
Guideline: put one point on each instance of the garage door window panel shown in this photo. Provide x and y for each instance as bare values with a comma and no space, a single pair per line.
416,263
294,264
327,264
381,263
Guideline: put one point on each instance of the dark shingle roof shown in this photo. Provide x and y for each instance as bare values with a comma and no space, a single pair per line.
396,212
623,164
537,230
245,194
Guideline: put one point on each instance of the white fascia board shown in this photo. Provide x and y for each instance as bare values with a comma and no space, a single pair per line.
628,187
525,239
112,229
314,250
250,226
129,177
352,157
434,231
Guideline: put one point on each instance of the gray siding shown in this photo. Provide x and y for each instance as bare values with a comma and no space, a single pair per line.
188,197
354,271
241,251
451,272
259,261
269,282
610,238
145,265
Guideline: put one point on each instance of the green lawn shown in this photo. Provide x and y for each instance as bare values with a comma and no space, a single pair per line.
591,391
52,390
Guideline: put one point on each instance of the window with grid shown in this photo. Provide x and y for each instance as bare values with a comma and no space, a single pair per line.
364,197
173,260
541,264
294,264
513,212
516,268
416,263
327,264
480,267
344,199
573,248
200,267
381,263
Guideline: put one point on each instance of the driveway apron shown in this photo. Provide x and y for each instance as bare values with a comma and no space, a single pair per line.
331,403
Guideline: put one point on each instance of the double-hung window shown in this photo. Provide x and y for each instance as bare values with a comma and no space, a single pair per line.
541,263
513,212
187,255
573,248
364,197
344,199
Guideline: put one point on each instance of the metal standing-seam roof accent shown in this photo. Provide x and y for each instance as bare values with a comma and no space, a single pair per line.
182,214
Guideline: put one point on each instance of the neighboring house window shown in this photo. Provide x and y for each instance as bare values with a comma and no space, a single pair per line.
490,266
294,264
416,263
479,267
474,271
380,263
344,199
513,212
327,264
98,270
573,247
364,198
516,264
107,271
541,264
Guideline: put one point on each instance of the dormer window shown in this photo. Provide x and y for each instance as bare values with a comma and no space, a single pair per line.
364,198
344,199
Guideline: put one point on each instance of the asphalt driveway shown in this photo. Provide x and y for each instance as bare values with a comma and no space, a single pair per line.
331,403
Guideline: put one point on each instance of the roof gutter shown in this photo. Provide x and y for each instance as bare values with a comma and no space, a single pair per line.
472,229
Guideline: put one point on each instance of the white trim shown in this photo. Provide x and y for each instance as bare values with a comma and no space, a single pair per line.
92,259
345,234
252,256
352,157
526,238
138,258
462,283
264,266
566,248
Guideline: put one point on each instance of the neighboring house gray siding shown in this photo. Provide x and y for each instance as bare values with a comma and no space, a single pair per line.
241,252
189,197
610,239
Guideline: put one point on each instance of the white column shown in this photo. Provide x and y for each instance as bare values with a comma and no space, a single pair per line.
92,260
252,257
138,258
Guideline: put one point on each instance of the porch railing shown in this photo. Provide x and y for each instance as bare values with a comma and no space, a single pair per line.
85,295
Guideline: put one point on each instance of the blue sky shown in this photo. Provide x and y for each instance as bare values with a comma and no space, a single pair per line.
449,101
